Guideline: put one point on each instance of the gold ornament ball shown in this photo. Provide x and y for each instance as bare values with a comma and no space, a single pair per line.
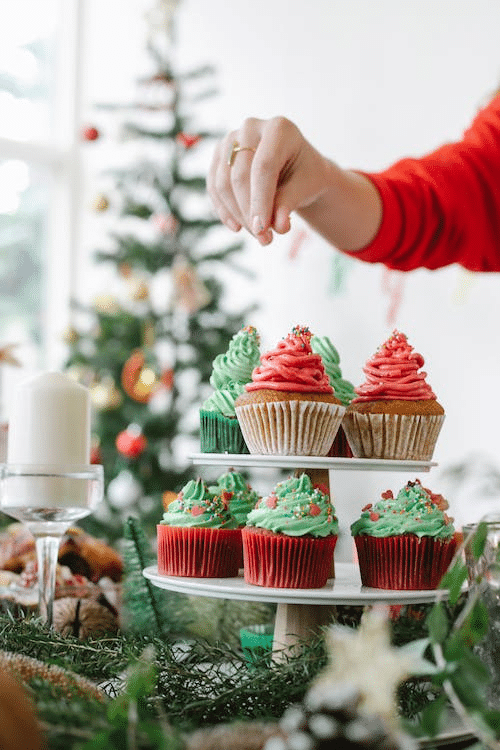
138,289
105,395
70,335
100,203
107,304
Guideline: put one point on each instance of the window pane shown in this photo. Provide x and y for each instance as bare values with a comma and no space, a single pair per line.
24,198
27,54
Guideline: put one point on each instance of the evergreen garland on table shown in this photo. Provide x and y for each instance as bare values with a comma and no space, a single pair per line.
161,688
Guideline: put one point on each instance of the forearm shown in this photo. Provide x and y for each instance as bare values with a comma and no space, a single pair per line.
348,213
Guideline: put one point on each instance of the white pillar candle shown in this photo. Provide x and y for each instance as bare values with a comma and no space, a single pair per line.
50,422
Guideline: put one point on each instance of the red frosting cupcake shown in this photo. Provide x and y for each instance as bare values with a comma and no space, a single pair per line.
290,408
395,414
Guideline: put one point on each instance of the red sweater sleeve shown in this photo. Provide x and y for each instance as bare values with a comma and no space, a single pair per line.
443,208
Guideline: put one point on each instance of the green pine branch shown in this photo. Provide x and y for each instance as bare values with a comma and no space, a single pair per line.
149,610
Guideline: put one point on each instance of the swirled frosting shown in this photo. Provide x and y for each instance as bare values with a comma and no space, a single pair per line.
196,505
243,497
393,373
343,389
415,510
292,366
222,400
296,507
237,363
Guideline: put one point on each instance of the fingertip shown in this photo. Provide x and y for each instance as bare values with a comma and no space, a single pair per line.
258,225
282,223
265,238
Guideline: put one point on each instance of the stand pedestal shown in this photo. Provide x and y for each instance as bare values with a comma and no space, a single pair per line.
296,623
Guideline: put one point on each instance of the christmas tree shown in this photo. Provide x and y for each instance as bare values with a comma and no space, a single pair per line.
147,355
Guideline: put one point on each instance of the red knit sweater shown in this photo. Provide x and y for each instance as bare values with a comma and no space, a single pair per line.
444,207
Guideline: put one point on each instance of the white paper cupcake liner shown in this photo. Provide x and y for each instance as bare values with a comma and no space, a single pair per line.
410,437
290,428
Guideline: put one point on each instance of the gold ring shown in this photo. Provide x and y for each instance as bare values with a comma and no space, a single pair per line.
235,149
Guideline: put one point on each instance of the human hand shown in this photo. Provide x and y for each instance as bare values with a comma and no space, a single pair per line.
274,172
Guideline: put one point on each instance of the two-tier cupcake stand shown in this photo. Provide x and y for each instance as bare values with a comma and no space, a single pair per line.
300,612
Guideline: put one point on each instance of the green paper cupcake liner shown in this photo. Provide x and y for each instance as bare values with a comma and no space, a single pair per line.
220,434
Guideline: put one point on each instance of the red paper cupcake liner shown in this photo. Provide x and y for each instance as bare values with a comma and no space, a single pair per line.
403,563
197,552
280,561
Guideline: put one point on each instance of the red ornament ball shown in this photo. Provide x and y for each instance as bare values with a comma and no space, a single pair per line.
187,140
131,442
90,133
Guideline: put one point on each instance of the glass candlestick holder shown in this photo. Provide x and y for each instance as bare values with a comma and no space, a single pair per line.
47,500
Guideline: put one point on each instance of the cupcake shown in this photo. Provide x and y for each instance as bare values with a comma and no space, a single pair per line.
220,431
289,407
243,498
290,536
405,542
395,414
343,389
197,536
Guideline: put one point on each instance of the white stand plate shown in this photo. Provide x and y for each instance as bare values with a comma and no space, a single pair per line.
345,589
308,462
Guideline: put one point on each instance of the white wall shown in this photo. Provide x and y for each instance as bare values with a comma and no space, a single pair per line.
367,83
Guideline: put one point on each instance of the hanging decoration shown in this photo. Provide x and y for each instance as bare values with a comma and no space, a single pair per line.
130,443
340,265
465,280
298,239
139,379
393,286
190,293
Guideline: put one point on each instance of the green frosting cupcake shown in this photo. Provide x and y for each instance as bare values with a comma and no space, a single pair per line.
415,510
196,505
296,507
243,497
344,390
222,400
237,364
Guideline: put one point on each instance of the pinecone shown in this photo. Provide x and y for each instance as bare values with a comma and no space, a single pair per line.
329,719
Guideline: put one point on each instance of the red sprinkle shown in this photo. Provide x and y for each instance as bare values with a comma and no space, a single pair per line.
197,510
387,495
367,507
271,501
314,510
374,516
